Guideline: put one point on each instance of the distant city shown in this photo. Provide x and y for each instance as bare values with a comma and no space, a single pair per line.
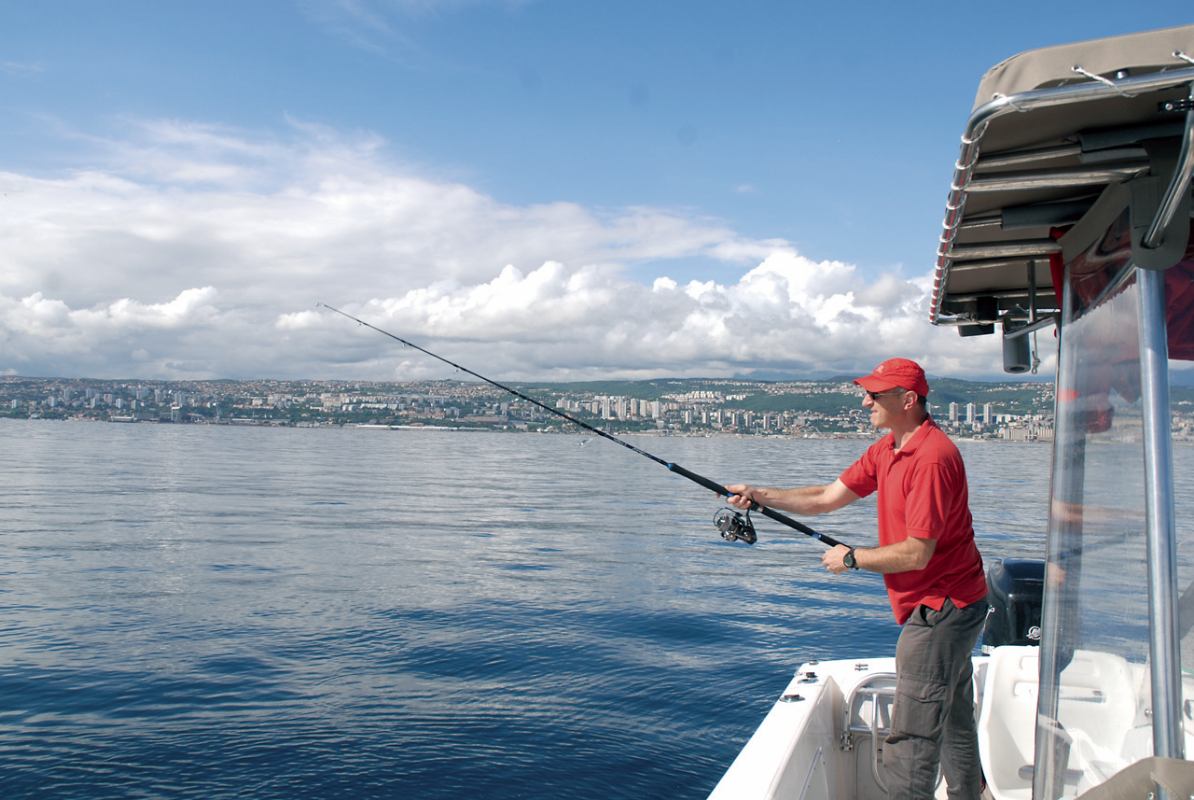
1017,411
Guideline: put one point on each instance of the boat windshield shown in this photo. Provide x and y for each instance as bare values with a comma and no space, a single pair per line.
1095,703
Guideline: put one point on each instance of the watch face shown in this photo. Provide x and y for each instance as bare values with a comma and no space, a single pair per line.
849,560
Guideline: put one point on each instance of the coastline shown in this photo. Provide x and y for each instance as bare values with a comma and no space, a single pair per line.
657,434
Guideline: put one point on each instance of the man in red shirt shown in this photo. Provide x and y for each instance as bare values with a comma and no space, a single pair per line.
932,569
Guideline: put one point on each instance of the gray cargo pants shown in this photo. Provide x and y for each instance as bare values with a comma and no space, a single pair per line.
933,716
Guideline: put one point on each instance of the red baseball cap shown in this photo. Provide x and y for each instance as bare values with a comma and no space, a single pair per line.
896,373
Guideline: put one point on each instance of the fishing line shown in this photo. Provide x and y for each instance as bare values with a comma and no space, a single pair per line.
733,526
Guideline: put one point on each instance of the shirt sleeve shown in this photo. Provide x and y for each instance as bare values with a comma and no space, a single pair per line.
861,477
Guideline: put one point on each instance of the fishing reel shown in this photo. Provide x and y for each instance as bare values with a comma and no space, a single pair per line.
735,526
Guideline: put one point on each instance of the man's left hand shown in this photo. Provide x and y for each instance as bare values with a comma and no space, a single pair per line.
832,559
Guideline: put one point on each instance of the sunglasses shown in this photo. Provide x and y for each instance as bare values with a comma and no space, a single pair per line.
889,393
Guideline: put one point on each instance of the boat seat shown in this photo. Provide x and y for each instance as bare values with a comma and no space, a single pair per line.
1097,709
1007,722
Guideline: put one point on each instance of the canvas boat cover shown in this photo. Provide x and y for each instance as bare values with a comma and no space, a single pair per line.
1051,130
1053,66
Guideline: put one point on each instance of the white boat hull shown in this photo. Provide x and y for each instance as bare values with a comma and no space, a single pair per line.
818,742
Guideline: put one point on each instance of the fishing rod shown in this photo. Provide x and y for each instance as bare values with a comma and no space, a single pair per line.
732,525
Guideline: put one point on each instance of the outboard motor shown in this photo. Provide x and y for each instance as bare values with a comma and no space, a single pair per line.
1015,587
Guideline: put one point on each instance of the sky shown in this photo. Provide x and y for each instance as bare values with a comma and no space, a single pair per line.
536,189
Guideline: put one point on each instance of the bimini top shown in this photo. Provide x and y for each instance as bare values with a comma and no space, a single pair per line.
1051,130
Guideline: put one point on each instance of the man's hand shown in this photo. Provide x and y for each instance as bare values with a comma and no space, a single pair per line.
741,496
832,559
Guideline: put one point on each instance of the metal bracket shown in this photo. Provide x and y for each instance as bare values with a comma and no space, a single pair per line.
1185,104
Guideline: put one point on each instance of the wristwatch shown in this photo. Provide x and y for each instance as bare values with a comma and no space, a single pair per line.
848,559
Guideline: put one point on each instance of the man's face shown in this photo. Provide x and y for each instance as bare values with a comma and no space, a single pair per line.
884,406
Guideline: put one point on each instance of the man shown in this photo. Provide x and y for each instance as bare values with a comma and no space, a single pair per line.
932,569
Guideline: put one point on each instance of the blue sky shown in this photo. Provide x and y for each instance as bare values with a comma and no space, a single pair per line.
447,164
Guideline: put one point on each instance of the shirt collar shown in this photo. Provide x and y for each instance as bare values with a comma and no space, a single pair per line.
914,440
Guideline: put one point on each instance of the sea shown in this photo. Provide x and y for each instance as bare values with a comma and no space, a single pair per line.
208,612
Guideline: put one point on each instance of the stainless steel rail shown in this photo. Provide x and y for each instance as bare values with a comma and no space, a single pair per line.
1178,186
879,689
1160,522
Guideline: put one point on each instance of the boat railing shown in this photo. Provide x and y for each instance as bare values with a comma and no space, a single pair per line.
868,713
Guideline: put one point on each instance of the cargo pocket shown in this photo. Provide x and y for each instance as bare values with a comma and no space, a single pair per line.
934,618
919,710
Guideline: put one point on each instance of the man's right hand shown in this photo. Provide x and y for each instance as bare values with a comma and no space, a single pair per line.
741,496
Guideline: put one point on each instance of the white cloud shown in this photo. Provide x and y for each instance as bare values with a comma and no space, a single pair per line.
377,26
22,68
188,250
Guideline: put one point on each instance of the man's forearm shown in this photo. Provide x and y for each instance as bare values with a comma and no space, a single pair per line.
906,556
804,500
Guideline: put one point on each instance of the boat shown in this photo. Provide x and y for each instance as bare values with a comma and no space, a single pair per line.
1068,222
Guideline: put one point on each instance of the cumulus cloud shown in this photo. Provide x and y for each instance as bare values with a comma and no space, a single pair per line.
187,250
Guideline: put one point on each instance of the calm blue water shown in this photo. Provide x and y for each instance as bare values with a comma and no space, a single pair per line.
208,612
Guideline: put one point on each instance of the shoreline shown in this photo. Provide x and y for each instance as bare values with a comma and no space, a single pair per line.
246,423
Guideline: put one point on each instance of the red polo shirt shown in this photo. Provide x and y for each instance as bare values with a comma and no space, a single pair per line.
923,493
